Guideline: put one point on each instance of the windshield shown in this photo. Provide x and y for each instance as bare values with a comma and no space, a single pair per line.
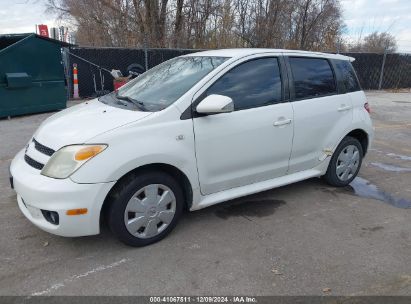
164,84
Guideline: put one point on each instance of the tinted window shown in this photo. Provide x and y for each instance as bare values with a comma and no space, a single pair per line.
313,77
348,75
252,84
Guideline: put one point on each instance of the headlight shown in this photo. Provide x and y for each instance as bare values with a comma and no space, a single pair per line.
68,159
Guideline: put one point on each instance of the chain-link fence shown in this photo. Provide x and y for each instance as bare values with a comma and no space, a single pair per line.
376,73
94,64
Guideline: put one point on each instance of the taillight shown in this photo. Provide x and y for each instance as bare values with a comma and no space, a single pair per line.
367,107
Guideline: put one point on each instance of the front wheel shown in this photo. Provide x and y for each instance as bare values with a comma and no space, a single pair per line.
345,163
145,208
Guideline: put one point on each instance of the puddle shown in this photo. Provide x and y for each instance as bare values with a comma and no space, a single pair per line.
401,101
391,168
364,188
367,231
372,229
399,156
259,208
393,155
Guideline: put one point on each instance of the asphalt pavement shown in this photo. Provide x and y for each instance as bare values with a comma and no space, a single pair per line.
303,239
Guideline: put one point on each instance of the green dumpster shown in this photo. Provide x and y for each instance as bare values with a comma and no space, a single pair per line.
31,75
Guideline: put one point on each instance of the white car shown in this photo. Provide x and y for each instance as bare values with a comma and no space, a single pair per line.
191,132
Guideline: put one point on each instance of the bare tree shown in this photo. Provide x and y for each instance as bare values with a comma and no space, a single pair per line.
299,24
376,43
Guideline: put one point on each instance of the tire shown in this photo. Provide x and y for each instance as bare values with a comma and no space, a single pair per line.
135,70
345,161
154,201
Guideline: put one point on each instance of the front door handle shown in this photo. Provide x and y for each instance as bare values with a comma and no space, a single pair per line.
282,122
344,108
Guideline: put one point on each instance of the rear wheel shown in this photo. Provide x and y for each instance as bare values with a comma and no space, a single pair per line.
145,208
345,163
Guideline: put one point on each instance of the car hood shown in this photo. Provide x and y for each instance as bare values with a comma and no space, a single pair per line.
78,124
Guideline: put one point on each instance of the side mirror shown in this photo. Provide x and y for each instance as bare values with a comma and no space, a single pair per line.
213,104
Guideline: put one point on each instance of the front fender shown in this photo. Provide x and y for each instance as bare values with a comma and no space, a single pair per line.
130,147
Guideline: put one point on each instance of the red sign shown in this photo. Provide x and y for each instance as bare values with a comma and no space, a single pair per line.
43,30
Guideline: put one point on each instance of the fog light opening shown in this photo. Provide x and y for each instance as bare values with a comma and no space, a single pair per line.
51,216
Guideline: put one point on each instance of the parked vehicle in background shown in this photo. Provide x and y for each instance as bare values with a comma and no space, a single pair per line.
194,131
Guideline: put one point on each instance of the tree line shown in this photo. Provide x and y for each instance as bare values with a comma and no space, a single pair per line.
203,24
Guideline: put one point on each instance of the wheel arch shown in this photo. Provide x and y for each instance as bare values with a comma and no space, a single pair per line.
362,137
173,171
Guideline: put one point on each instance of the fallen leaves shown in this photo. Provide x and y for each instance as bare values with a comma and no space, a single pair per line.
276,271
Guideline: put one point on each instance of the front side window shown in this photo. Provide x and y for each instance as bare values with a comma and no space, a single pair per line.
348,75
162,85
251,84
313,77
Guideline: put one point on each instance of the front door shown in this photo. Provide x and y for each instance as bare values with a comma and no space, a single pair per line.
253,143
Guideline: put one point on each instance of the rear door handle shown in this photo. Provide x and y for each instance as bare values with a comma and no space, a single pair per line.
282,122
344,108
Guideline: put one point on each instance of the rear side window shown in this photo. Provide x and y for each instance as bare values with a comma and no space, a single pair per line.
313,77
348,76
251,84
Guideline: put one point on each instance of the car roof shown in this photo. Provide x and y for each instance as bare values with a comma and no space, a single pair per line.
242,52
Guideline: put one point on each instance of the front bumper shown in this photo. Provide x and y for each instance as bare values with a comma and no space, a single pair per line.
36,192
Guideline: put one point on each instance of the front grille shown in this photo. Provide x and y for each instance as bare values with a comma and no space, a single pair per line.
42,148
33,163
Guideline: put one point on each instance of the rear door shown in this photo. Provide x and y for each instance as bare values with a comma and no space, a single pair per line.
321,114
253,143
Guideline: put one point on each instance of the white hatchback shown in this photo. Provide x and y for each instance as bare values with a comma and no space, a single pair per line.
191,132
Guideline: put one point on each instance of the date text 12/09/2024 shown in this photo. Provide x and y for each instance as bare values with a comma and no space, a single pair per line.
203,299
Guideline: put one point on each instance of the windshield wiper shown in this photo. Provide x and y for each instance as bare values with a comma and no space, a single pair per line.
137,103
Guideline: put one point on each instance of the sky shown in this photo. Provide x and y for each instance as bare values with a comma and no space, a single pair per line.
367,16
361,18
